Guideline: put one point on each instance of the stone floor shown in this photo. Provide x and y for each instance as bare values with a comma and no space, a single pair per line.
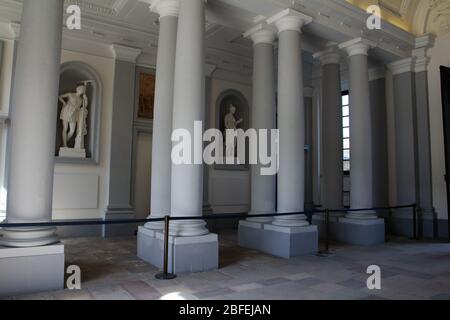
410,270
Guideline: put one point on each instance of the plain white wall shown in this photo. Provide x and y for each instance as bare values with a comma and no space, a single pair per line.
440,56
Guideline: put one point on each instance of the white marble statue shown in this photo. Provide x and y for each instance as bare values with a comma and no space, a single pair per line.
231,123
74,116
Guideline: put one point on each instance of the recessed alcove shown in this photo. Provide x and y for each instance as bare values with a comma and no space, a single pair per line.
73,73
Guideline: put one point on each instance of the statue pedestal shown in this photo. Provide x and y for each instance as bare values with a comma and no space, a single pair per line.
72,153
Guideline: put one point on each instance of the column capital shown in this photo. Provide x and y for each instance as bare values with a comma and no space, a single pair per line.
209,69
402,66
377,73
420,52
289,19
425,41
165,8
261,34
357,46
123,53
328,56
15,29
308,92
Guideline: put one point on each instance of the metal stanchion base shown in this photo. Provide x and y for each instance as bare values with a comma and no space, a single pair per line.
326,254
165,276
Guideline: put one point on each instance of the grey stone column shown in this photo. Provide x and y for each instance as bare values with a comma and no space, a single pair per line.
406,142
360,228
291,119
331,128
207,208
429,226
33,124
263,116
162,125
361,171
308,94
189,107
379,137
120,176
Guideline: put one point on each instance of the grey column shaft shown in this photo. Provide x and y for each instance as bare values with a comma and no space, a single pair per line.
360,134
291,123
379,143
162,127
33,123
332,136
406,139
189,107
424,143
122,139
263,188
309,200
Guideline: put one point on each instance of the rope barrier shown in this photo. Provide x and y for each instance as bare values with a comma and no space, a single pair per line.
165,275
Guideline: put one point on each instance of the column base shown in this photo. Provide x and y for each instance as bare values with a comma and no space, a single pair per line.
31,270
186,254
361,232
156,226
284,242
28,237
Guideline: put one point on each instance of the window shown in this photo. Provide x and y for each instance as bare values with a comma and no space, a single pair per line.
346,131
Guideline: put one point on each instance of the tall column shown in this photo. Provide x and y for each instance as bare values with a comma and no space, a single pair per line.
332,128
263,116
291,118
309,200
406,143
361,171
429,224
360,228
120,204
162,125
189,107
33,124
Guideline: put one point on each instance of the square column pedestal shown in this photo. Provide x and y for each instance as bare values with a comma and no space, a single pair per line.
31,270
361,232
284,242
186,254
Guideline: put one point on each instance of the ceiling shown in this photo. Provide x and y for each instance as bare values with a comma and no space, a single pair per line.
130,23
415,16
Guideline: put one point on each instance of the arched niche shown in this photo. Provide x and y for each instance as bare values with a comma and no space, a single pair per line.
223,102
71,74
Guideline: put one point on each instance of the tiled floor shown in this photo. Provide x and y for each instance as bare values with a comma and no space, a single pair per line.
410,270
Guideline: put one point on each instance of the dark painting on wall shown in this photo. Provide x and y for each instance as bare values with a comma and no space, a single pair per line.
146,95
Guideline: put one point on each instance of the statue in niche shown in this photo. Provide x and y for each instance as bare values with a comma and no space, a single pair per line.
74,121
231,123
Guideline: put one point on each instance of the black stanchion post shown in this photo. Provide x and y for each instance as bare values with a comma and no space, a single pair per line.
327,231
415,222
166,275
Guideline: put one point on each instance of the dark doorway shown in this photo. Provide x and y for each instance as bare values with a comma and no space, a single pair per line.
445,85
